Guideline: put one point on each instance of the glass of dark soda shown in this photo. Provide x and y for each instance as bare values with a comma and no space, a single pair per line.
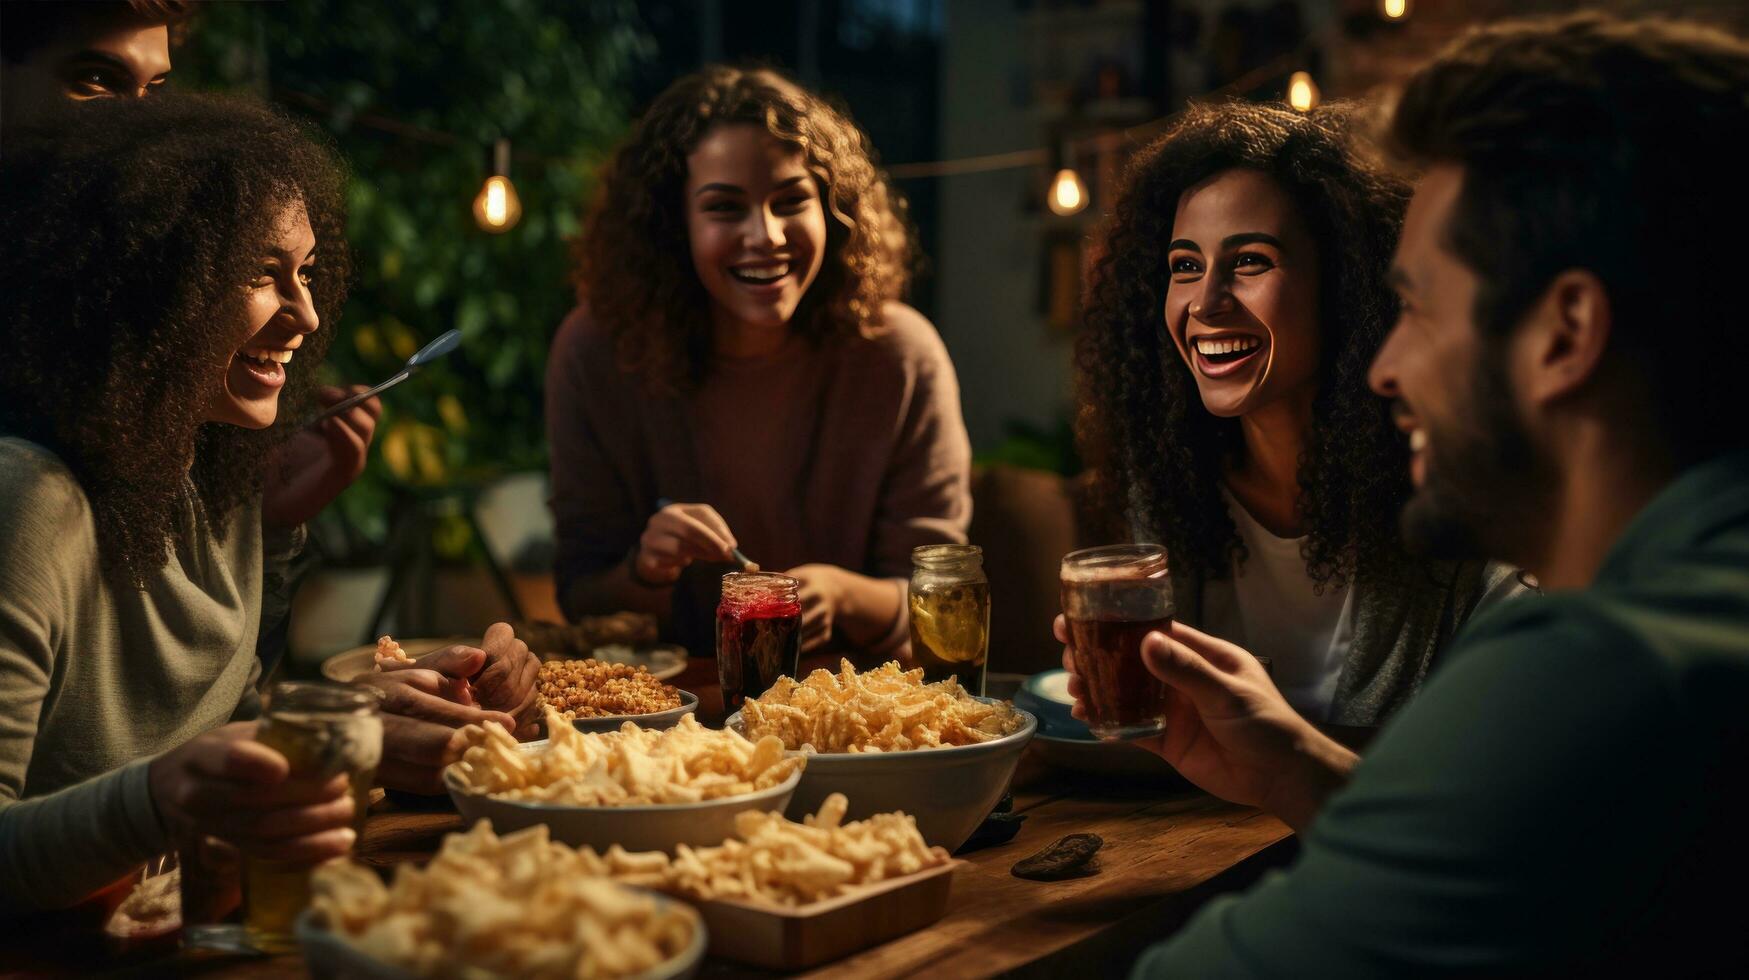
1113,597
759,634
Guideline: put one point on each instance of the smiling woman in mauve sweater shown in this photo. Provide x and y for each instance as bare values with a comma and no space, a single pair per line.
740,349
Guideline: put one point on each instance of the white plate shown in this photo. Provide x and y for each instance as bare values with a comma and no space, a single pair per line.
663,660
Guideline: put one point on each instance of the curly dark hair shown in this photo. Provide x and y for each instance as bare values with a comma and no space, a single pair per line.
136,226
1582,138
633,267
1156,453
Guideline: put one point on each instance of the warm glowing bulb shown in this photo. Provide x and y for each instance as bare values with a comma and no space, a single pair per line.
1394,9
497,209
1302,92
1068,194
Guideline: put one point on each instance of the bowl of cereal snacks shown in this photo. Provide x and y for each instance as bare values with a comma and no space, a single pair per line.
645,789
596,696
890,742
520,905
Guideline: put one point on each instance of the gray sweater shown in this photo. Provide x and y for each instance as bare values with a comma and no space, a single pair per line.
1400,628
95,680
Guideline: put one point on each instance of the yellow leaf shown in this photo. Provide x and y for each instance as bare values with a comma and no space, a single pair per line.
449,407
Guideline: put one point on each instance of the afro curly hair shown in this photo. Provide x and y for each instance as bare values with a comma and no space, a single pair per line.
137,225
1156,453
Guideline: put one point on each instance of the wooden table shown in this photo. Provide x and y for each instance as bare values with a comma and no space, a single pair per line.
1164,856
1168,849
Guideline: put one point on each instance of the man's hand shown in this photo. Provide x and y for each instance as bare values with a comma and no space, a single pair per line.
1228,730
423,718
310,469
227,785
821,595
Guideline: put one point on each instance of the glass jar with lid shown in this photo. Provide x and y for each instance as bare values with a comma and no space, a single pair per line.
950,613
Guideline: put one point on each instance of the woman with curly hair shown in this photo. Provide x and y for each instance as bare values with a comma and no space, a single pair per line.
740,348
172,265
1222,377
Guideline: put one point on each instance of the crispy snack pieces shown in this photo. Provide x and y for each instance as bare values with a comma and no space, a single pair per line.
684,764
780,862
593,689
883,710
516,906
389,650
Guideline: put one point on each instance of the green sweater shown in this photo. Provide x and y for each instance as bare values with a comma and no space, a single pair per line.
95,680
1562,797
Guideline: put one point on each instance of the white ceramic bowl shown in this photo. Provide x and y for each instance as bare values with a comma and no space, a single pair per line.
329,956
654,720
641,827
949,791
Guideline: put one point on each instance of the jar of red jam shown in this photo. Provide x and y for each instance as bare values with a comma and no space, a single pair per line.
759,634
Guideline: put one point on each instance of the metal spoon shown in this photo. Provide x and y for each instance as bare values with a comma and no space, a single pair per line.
430,352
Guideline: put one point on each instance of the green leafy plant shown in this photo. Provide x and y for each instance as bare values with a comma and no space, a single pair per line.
414,94
1036,447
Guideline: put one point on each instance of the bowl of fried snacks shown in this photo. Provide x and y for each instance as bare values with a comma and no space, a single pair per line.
596,696
520,905
790,895
890,742
646,789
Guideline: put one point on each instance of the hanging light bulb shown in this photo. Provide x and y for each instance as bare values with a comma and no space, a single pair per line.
1394,9
1068,193
497,208
1302,92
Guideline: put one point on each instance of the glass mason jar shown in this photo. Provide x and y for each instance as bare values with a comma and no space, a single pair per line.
759,634
950,613
322,730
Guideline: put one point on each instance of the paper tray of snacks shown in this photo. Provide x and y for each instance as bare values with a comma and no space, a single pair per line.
779,938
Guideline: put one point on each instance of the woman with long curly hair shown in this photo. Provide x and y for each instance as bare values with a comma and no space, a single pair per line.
1231,320
740,349
170,269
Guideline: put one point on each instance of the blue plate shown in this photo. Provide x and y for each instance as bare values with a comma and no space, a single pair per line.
1046,695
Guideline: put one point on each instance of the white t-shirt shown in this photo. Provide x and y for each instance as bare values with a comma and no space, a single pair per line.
1268,608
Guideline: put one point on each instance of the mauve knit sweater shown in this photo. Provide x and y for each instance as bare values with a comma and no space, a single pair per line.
849,452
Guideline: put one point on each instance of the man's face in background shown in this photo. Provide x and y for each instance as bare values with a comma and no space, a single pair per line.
96,57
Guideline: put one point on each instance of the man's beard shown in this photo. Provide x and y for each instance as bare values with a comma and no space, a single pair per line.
1484,494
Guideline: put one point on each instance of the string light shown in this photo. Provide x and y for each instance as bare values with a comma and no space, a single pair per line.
1067,195
1302,92
497,208
1394,9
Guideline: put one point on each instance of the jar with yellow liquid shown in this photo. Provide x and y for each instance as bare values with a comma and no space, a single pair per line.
322,730
950,613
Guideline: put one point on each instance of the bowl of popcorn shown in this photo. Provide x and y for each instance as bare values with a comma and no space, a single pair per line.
645,789
598,696
520,905
890,742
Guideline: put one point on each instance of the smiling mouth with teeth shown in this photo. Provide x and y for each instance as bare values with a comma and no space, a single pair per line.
263,358
761,275
1226,350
